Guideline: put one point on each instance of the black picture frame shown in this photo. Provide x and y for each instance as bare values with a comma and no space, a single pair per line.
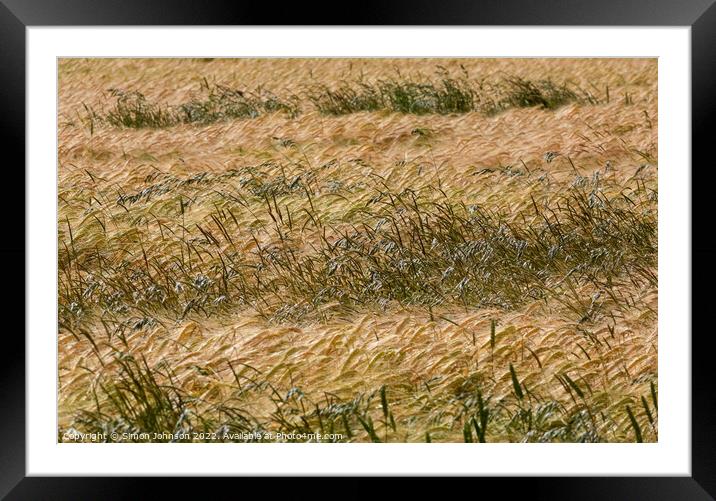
700,15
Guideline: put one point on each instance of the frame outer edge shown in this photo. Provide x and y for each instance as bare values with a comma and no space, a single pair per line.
703,404
373,12
12,249
12,63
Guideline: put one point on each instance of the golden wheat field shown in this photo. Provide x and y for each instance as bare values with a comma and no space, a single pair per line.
356,250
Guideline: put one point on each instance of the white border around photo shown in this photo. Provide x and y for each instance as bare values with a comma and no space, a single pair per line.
671,455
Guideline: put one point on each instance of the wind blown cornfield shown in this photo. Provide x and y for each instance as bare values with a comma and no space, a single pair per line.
357,250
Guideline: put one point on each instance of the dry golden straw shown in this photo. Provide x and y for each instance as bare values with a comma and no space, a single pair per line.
400,250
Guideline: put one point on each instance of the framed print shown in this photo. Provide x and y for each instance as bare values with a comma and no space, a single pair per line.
387,249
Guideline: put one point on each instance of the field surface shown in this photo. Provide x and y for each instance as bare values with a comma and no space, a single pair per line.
401,250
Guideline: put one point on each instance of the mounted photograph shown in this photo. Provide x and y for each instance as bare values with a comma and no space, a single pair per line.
357,250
